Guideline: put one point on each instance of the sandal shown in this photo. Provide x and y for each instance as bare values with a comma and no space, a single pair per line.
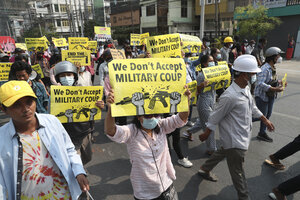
277,166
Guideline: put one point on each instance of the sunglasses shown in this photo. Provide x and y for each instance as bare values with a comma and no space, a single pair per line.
150,116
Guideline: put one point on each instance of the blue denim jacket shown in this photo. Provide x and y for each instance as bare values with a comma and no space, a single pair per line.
57,142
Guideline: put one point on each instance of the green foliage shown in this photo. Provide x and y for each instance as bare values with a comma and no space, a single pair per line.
122,33
89,28
254,22
34,32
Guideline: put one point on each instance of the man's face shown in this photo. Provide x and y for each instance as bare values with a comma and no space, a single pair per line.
22,75
22,110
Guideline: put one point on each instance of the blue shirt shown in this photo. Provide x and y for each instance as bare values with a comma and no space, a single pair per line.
42,97
59,146
261,86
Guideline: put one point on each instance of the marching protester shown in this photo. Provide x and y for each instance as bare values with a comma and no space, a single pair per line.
45,66
37,155
226,49
205,46
233,114
22,71
244,46
258,51
216,54
266,88
148,151
250,47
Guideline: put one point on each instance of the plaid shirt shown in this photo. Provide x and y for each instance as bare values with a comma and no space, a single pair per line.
264,77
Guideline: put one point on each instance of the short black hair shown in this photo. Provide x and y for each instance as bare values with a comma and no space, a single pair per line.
19,66
236,38
204,59
213,51
21,58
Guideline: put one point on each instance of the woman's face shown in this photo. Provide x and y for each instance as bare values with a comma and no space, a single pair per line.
210,59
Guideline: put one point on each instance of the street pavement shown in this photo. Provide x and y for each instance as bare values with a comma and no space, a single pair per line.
108,172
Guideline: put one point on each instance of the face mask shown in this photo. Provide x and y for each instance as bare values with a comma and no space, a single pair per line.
230,46
253,45
150,123
82,69
219,57
252,78
207,44
211,64
246,44
279,60
67,80
186,60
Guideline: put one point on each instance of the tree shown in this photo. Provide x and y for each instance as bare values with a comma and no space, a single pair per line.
34,32
254,22
89,28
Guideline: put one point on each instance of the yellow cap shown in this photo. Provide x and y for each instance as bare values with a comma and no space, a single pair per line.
228,40
12,91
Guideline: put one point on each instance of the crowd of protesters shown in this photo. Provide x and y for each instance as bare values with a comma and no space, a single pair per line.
32,134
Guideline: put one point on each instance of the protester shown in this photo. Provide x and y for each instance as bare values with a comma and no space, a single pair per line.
45,66
290,48
237,45
244,45
292,185
225,50
17,52
205,46
22,71
258,52
103,69
216,54
152,172
233,114
250,47
267,87
43,163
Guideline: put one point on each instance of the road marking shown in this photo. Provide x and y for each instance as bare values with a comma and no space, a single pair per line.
287,116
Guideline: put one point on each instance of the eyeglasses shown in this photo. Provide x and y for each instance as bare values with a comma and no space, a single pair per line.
150,116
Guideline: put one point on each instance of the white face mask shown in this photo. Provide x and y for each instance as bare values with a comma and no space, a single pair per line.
230,46
279,60
207,44
67,80
219,56
82,69
211,64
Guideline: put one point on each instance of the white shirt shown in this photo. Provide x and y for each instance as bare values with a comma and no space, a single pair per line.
234,114
144,175
84,79
249,49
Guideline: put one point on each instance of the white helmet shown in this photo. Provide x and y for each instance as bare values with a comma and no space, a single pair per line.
246,63
272,51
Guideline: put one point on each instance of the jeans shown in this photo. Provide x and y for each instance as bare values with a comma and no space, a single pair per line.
288,149
290,186
266,109
191,111
176,143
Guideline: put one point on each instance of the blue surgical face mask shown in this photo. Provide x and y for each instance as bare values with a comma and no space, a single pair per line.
211,64
219,57
82,69
252,79
150,123
186,59
67,80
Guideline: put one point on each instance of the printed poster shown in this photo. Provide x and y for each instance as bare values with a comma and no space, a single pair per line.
93,46
190,43
4,71
117,53
193,89
218,76
143,38
38,70
38,44
148,86
61,42
135,39
164,46
82,57
78,43
75,103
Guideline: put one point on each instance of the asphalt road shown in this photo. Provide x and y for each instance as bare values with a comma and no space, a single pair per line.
110,168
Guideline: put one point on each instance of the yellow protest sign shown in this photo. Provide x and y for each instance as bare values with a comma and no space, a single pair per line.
102,30
46,39
75,103
117,54
21,46
164,46
135,39
218,76
191,44
148,86
38,70
284,81
193,89
4,71
61,42
143,38
93,46
198,67
82,57
78,43
38,44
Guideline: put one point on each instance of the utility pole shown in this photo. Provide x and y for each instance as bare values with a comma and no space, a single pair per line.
202,18
81,19
40,30
131,16
69,16
77,19
216,19
86,13
72,18
9,32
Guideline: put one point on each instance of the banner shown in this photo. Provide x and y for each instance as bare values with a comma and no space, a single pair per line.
78,43
61,42
198,67
164,46
83,57
93,46
4,71
284,81
148,86
190,43
102,31
7,43
193,89
135,39
38,70
144,37
46,39
21,46
218,76
38,44
75,103
117,54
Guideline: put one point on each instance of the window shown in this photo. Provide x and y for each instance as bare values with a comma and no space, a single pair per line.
150,10
56,8
63,8
212,1
65,22
90,9
115,19
183,8
58,22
